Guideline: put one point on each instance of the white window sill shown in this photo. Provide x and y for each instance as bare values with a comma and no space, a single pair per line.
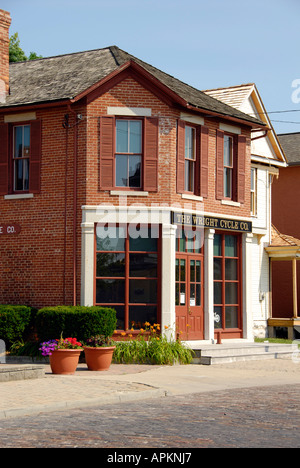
186,196
230,203
18,196
125,193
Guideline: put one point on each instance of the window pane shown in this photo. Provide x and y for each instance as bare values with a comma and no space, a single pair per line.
231,293
134,178
217,245
217,293
198,241
231,317
231,270
18,142
122,136
189,142
198,271
198,295
218,317
19,174
227,182
217,268
138,315
230,246
143,265
227,151
143,291
135,142
110,291
26,140
192,271
26,174
143,239
110,264
121,171
110,238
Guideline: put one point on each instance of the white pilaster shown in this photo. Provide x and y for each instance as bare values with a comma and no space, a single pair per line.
168,315
87,263
209,284
247,286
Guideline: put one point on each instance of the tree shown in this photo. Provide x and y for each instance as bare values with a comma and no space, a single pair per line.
16,54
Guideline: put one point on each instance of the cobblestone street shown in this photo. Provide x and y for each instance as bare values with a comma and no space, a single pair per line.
263,417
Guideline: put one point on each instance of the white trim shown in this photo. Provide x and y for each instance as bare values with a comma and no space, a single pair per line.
124,193
192,118
230,128
192,197
230,203
270,162
130,111
18,196
20,117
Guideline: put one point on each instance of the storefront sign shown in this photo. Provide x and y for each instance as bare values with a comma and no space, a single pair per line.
9,229
183,219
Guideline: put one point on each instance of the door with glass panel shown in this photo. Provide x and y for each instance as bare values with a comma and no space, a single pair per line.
227,285
189,286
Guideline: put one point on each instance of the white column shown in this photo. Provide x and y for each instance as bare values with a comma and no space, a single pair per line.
247,287
87,263
209,284
168,316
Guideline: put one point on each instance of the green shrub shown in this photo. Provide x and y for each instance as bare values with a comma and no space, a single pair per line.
14,323
152,349
75,321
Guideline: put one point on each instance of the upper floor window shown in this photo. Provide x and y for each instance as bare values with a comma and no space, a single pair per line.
228,166
253,191
128,153
21,157
190,159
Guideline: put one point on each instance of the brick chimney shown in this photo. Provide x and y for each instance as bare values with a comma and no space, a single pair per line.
5,21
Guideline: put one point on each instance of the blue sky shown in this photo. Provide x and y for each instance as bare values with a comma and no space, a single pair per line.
205,43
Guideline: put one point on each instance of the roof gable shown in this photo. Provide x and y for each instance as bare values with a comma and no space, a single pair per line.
247,99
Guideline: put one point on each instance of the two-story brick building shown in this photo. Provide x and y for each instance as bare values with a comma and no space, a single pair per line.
122,186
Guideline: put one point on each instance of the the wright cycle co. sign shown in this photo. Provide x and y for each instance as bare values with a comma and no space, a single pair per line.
9,229
183,219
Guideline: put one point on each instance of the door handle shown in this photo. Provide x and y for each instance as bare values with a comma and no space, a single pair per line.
189,311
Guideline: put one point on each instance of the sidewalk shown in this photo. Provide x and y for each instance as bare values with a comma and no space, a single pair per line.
125,383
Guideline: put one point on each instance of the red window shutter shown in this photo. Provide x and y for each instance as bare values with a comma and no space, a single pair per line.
107,132
150,154
180,155
35,156
219,165
241,168
3,159
204,132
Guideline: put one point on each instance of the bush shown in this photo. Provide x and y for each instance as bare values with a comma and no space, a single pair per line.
77,321
14,323
151,348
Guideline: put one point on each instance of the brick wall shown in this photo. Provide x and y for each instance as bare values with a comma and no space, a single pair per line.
36,266
5,21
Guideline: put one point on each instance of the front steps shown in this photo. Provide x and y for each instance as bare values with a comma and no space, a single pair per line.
225,353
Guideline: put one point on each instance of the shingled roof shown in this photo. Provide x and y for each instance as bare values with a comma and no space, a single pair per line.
67,76
290,143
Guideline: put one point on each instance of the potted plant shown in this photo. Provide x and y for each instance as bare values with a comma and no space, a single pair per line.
63,354
98,352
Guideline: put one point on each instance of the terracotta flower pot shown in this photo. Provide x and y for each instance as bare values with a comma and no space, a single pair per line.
98,359
64,361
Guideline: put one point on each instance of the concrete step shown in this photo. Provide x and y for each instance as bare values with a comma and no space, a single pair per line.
9,372
224,353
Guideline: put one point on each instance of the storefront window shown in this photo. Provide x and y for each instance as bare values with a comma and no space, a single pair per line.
127,273
226,281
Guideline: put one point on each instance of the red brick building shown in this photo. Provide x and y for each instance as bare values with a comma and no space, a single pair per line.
120,185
